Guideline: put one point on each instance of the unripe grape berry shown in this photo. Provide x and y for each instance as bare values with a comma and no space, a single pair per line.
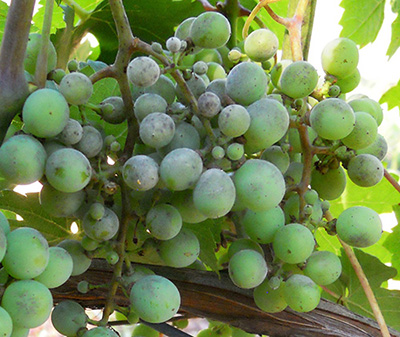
209,104
200,68
76,88
143,71
218,152
173,44
261,45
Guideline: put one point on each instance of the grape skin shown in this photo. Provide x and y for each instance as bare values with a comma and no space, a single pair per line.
143,71
81,262
275,155
329,185
28,302
234,120
164,221
378,148
323,267
100,331
209,104
68,317
301,293
157,129
32,53
350,82
91,142
68,170
155,299
364,132
186,136
147,103
268,299
72,132
103,229
261,45
244,243
76,88
22,159
45,113
6,325
365,170
183,202
368,105
118,115
140,173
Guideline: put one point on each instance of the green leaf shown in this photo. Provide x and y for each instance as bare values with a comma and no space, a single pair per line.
391,97
362,20
57,21
28,207
376,273
392,242
380,197
3,17
395,41
395,4
208,234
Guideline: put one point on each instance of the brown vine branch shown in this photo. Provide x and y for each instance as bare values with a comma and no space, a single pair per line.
391,180
207,6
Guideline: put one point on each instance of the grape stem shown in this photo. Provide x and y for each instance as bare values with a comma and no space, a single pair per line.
207,6
364,283
41,63
391,180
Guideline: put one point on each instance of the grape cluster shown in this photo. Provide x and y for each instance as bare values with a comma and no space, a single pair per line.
232,142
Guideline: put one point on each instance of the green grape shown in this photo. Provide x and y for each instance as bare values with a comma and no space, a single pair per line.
247,269
181,324
180,251
340,57
299,79
96,211
27,253
155,299
234,120
148,103
246,83
334,91
196,85
140,173
292,210
214,193
68,170
215,71
331,184
100,331
183,202
294,139
102,229
180,169
359,226
323,267
73,65
378,148
89,244
262,226
19,331
261,45
242,244
4,224
58,270
235,151
293,174
83,287
301,293
293,243
241,333
32,52
209,104
91,142
28,302
81,262
143,71
157,129
72,132
173,44
164,221
218,87
277,71
3,244
45,113
350,82
269,123
164,87
277,156
366,104
51,145
332,119
364,132
269,299
56,75
3,276
208,55
365,170
22,159
142,330
68,317
259,185
186,136
112,257
200,68
76,88
117,114
60,204
210,30
6,324
137,272
218,152
183,30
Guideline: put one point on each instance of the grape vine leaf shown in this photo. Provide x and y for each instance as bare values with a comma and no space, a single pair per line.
380,197
162,16
57,20
391,97
395,41
28,207
377,274
362,20
392,243
3,17
395,4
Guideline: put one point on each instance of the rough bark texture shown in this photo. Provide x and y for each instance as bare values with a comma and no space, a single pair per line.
206,295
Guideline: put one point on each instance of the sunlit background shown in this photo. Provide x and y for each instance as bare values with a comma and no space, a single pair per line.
378,75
